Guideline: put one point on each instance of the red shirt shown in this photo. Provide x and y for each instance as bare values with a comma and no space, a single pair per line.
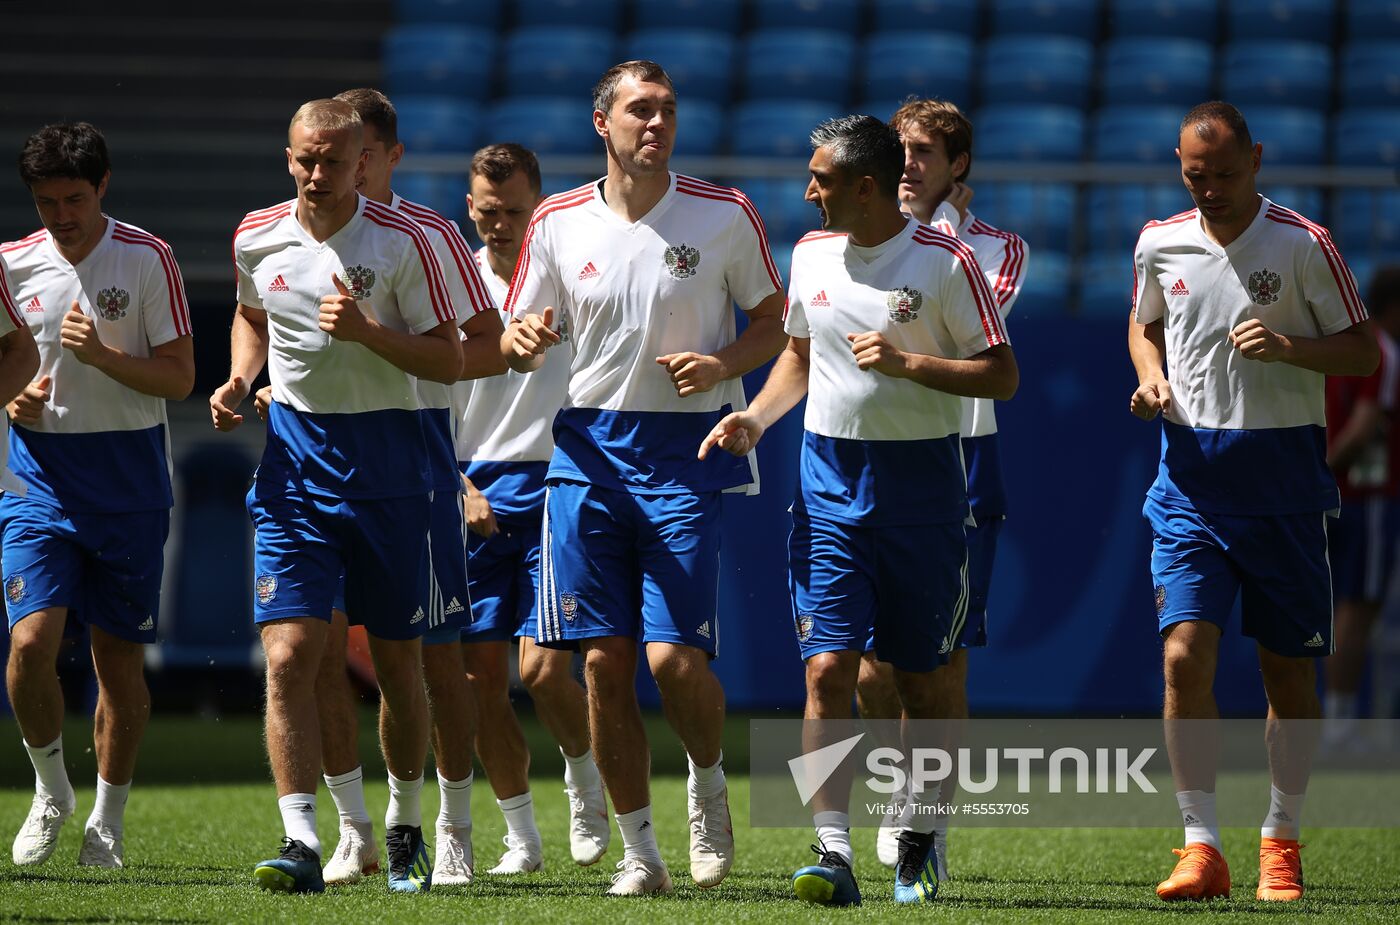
1376,470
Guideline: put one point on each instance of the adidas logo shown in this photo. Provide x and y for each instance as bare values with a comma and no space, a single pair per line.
1180,288
1190,819
589,272
1282,816
53,751
1315,642
820,300
417,616
147,624
946,646
454,606
703,630
278,285
34,305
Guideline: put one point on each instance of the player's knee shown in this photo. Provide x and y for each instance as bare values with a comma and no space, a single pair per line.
610,675
32,644
544,675
829,680
1186,663
1283,674
489,680
679,671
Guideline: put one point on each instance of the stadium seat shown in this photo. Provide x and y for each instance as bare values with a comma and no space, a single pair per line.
1116,212
1043,214
1305,20
1048,287
1290,136
1371,73
778,128
900,64
1037,69
1368,137
1029,133
880,109
1275,72
1156,71
439,59
700,129
782,258
437,124
720,15
1077,18
1305,200
700,61
1366,221
445,193
594,14
566,61
787,215
483,14
959,16
1106,285
552,183
1136,134
835,15
799,63
1184,19
1372,19
546,125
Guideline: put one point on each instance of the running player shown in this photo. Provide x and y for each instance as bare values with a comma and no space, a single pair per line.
937,159
503,445
890,321
346,302
644,265
1240,308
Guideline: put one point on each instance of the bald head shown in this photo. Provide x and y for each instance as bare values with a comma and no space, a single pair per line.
1217,122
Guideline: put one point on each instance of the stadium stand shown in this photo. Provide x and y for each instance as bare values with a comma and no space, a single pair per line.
1037,69
1031,133
1077,18
1163,19
563,60
592,14
1310,20
483,14
547,125
1155,71
777,128
1368,137
720,15
1275,72
812,64
701,62
958,16
437,124
1370,73
838,15
1372,19
438,59
902,63
1135,134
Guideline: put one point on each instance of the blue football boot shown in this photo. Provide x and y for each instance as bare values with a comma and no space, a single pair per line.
829,881
297,869
409,868
916,872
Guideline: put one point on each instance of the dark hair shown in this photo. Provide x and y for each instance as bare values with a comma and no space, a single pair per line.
938,119
1383,295
497,162
375,111
605,92
70,150
1207,117
863,146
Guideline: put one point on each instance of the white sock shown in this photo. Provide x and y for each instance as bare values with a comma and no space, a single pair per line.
1198,816
348,793
404,805
50,776
580,773
638,835
455,809
1338,706
1285,818
706,782
520,819
110,806
919,817
940,825
299,818
834,833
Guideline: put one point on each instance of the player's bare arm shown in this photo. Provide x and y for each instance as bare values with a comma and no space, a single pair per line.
436,354
526,339
692,373
990,374
740,431
1352,352
481,348
19,361
1368,419
248,346
167,373
1147,347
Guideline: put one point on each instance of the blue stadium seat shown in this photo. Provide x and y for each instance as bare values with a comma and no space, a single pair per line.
800,64
1037,69
1277,73
551,183
880,109
1042,213
1366,221
700,128
442,124
1371,73
565,61
787,215
483,14
595,14
900,64
835,15
1029,133
1136,134
1186,19
546,125
1116,213
721,15
439,59
1078,18
443,192
778,128
1368,137
782,259
1048,287
1160,71
1106,285
958,16
1290,136
1373,19
1305,200
701,62
1309,20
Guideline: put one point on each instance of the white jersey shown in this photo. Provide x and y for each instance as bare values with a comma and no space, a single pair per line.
1233,418
632,292
9,321
131,288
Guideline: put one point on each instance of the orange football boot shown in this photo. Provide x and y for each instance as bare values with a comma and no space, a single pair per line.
1280,870
1200,874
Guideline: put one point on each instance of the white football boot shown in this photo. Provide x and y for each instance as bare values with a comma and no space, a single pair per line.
638,877
589,830
102,847
454,863
38,837
356,854
521,857
711,839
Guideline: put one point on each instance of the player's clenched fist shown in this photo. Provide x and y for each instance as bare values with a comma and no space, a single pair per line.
737,432
262,402
340,314
532,335
874,352
79,335
29,404
1254,341
692,373
1151,397
223,404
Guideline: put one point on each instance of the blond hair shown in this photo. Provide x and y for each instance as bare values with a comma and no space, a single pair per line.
327,116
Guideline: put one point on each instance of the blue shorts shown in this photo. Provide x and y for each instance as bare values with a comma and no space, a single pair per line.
1202,562
105,568
903,587
617,564
1361,548
303,545
505,575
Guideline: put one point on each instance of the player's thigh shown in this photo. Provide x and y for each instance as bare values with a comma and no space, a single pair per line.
493,572
588,566
982,540
41,559
1287,597
1193,578
387,586
297,561
921,594
831,578
678,555
122,575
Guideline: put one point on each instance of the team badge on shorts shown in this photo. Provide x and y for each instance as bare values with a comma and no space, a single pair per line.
904,304
568,605
360,281
805,623
1264,286
111,303
15,589
1161,599
681,260
265,588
